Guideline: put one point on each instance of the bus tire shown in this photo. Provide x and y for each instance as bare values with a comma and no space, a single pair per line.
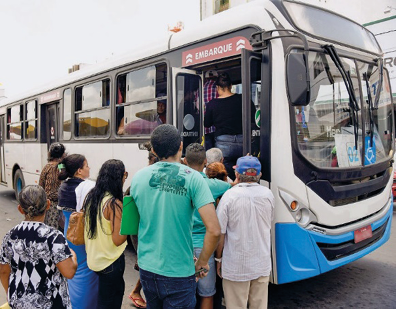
19,183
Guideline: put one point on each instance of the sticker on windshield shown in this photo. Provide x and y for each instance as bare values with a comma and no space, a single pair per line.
257,118
347,154
188,122
370,155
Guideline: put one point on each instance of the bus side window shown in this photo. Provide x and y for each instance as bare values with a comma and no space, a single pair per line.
92,115
15,122
142,93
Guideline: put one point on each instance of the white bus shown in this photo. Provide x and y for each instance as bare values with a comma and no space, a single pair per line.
323,109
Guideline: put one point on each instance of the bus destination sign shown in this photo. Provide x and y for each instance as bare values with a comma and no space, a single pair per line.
215,51
50,96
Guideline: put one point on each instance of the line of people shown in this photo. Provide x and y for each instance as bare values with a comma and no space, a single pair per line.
183,239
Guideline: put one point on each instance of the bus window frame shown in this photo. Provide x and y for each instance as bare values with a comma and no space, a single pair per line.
74,112
167,97
21,122
26,120
264,103
62,117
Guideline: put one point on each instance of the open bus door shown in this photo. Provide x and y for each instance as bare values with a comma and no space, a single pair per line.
52,123
256,88
187,105
2,135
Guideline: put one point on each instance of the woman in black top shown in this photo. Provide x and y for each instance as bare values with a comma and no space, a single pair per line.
225,113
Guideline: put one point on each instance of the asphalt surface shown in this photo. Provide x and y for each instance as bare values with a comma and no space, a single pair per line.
369,282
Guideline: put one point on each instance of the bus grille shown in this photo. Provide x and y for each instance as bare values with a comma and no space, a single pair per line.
336,251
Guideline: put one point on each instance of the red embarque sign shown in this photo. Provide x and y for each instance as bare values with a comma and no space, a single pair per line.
215,51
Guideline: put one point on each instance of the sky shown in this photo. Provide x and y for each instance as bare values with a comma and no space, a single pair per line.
41,39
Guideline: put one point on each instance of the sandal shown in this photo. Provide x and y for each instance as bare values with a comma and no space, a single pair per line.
134,299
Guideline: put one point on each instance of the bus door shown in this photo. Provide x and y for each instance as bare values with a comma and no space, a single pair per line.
256,112
2,135
52,123
187,107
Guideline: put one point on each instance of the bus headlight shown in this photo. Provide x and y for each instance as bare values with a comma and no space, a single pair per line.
300,212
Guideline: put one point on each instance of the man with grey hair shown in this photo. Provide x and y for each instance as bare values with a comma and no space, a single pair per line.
214,155
245,213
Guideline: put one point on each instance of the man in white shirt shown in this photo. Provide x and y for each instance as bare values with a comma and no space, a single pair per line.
243,256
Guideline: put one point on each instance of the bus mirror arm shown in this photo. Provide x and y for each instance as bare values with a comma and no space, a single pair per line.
298,79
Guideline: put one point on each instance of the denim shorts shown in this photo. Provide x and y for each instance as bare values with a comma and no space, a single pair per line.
207,285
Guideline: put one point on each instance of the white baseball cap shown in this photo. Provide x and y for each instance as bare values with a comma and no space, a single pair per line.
211,73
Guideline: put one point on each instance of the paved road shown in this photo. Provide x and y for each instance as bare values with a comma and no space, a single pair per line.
367,283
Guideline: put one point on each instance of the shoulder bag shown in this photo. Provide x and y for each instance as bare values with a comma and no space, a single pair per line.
75,230
130,217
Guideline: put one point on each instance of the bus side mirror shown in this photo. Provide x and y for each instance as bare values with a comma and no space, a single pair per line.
297,79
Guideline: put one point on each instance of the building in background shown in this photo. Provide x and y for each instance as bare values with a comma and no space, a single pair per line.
357,10
385,31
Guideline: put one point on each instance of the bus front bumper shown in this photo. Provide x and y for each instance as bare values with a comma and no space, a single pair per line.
301,253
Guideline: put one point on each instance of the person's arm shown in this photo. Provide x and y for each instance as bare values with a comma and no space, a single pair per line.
219,254
118,239
5,271
209,218
68,267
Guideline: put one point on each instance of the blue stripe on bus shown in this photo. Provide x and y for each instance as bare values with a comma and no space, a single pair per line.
298,257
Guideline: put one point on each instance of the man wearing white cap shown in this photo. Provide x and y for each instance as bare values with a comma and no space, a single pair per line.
243,255
210,93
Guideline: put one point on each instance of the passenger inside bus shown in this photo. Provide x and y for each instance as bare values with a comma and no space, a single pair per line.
225,113
147,122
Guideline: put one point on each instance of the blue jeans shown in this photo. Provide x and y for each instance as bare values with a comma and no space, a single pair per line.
112,285
168,292
232,148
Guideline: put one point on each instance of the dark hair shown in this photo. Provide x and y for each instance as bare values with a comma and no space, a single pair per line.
223,81
109,181
151,157
71,165
33,201
56,151
165,140
216,170
195,154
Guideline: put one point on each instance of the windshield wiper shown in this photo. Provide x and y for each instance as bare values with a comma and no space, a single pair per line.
353,104
379,86
370,104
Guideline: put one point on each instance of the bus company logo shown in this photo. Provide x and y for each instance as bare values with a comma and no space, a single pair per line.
240,44
189,58
218,50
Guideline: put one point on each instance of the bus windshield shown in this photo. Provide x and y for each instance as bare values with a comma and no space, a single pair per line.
329,129
316,22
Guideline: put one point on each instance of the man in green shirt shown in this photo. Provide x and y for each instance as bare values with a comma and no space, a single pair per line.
196,159
166,194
